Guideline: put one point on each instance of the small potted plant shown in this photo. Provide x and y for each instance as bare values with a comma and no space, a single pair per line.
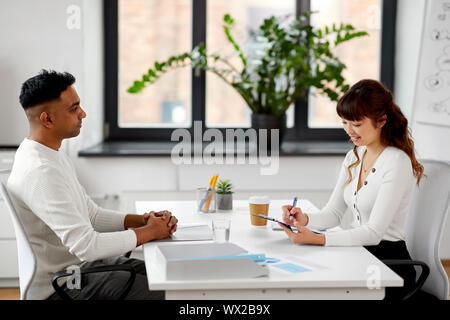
224,195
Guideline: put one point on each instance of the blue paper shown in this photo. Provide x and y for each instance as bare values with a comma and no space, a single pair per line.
290,267
272,260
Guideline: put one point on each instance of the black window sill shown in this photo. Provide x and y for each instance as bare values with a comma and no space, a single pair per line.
159,149
8,148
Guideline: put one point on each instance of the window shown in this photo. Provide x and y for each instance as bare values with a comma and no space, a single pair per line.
142,41
139,32
224,106
361,64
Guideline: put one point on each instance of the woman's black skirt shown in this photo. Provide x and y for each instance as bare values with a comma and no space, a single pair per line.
395,250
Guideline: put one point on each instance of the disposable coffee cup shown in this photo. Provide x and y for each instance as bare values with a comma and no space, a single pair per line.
258,205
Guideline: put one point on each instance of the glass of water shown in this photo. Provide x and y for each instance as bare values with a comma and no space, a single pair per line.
221,229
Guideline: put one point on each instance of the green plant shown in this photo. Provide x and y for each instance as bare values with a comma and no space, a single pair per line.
291,57
224,187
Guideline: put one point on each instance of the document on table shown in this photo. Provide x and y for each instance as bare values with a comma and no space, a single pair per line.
277,227
290,267
294,265
191,232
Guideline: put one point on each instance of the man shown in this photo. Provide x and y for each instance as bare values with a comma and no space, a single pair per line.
64,226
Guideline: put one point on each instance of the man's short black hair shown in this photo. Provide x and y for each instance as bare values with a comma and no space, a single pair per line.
44,87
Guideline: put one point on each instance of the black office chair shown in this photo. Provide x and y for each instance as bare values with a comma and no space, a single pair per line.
416,289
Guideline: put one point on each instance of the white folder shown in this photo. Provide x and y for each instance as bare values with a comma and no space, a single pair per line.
205,261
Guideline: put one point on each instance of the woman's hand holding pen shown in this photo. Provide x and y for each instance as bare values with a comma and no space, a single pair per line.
304,235
297,216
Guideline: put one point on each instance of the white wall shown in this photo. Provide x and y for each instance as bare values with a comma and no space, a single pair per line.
91,82
114,175
34,35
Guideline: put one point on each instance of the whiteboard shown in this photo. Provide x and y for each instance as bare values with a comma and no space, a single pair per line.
432,96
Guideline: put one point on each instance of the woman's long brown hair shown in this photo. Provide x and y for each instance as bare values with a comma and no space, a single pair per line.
371,99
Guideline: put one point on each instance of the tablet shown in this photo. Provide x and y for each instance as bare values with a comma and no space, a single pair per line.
285,224
274,220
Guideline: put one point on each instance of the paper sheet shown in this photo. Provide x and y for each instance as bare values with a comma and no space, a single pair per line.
191,232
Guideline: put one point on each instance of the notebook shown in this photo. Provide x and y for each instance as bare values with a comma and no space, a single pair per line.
191,232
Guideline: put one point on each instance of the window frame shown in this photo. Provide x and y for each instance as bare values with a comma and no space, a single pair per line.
300,131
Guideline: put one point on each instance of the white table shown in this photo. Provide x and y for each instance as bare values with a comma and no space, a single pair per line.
336,272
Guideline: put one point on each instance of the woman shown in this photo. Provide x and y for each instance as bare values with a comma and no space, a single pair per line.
372,193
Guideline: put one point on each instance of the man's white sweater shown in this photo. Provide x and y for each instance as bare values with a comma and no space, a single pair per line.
64,226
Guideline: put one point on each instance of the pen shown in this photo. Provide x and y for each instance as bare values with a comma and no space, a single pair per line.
207,193
291,215
210,194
